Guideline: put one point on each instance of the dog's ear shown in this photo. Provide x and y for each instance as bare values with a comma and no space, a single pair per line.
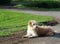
30,23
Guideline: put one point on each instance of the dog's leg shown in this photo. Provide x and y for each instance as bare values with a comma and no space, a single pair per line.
28,34
50,33
31,34
34,34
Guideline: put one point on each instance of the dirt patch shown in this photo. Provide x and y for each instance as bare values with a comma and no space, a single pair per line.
14,39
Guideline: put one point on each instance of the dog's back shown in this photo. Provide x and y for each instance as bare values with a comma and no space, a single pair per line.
44,30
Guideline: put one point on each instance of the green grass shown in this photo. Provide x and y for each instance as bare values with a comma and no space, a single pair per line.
14,21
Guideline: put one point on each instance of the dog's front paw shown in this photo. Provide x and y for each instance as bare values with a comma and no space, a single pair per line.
25,36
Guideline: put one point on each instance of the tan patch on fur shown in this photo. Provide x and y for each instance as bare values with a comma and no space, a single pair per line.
30,23
44,31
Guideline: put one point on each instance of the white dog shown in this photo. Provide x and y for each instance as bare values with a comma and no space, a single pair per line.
33,30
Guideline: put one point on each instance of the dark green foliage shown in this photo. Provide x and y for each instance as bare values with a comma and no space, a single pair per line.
44,4
3,2
41,3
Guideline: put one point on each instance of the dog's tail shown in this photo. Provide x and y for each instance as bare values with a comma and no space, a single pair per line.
55,32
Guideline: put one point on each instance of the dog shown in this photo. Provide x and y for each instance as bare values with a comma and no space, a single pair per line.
34,30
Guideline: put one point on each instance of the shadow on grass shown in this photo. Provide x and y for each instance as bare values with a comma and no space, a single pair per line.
49,23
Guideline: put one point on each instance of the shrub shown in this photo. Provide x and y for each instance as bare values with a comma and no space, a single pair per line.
44,4
3,2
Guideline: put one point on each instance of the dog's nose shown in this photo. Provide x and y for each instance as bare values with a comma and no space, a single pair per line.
36,26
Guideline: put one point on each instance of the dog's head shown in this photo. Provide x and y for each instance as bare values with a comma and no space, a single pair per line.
32,23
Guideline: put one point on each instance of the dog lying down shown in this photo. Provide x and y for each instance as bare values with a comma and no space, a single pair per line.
34,30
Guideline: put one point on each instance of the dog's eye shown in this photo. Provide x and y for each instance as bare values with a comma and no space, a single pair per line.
33,24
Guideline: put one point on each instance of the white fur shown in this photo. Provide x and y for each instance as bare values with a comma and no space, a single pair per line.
31,32
45,27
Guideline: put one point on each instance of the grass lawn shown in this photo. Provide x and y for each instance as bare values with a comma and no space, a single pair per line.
14,21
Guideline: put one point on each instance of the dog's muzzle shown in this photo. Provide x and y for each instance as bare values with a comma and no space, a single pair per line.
36,26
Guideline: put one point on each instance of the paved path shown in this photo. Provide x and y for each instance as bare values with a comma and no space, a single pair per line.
43,40
50,13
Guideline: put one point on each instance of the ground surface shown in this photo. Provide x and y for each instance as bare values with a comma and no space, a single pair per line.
17,36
